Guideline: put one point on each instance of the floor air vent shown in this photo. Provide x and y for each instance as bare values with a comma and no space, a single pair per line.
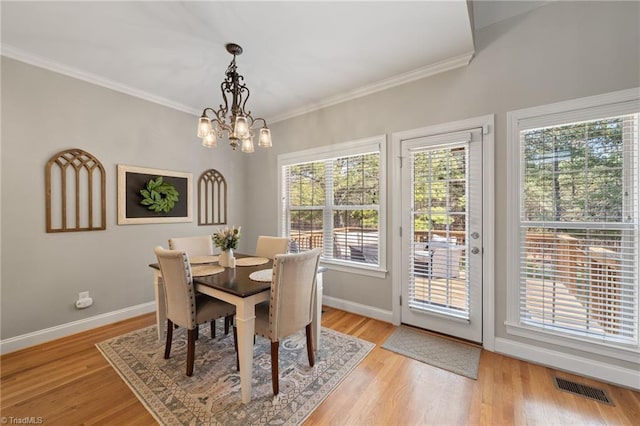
599,395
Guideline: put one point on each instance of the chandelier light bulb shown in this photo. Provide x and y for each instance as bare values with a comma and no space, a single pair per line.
204,127
247,145
241,128
264,139
210,141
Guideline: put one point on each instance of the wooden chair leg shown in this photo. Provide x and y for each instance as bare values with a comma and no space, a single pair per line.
235,344
167,346
213,329
309,331
197,331
274,367
228,320
191,349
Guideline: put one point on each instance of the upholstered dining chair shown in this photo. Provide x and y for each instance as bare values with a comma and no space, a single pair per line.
270,246
185,307
290,306
193,246
201,245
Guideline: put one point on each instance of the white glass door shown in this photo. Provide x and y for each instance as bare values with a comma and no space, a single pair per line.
442,233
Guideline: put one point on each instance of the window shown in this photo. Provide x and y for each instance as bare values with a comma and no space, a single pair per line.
575,246
331,198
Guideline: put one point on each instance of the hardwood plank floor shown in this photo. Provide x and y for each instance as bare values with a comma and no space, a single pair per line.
68,382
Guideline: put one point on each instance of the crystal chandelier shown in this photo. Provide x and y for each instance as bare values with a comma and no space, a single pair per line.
239,127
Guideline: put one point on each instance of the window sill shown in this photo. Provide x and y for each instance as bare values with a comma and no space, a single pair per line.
629,353
370,271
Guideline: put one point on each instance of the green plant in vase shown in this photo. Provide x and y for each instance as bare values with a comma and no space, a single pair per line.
226,239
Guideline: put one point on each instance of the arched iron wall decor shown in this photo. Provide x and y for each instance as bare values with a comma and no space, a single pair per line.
212,198
75,192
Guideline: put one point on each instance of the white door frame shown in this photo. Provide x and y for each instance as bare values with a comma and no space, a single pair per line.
487,123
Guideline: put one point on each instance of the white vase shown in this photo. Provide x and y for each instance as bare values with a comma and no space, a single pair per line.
226,259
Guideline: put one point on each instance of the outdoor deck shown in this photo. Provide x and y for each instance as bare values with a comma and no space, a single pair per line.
563,271
451,292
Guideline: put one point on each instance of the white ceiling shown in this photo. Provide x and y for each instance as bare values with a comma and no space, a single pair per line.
298,56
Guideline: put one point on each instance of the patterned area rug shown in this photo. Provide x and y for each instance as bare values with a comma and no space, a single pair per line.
459,358
212,395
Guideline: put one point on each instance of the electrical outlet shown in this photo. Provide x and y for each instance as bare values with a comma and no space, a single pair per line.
84,301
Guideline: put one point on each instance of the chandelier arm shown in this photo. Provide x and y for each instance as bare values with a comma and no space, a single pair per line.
204,112
243,88
219,118
259,119
224,86
216,121
222,125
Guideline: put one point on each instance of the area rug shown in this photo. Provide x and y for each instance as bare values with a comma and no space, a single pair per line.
447,354
212,395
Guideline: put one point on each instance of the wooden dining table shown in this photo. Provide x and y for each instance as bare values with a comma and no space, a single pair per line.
234,286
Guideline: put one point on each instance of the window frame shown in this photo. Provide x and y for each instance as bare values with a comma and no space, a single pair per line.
328,152
584,109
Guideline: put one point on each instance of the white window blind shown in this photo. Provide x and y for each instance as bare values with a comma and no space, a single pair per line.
439,222
333,202
578,229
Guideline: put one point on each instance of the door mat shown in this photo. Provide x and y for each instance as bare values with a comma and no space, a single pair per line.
447,354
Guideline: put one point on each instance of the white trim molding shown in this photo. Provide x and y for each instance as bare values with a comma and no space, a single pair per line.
375,144
487,123
397,80
41,336
22,56
358,308
571,111
574,364
407,77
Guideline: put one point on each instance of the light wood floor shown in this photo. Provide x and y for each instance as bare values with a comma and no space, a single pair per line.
68,382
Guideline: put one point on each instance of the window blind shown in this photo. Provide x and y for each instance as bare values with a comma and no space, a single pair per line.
334,203
438,263
354,181
305,195
579,220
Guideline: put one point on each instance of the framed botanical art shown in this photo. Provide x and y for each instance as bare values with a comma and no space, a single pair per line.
153,196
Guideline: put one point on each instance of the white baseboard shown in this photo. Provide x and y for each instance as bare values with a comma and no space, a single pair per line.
41,336
357,308
574,364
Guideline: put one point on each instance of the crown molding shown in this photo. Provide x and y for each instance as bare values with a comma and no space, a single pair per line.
22,56
420,73
387,83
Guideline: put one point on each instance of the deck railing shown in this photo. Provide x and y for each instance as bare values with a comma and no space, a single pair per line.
574,262
590,271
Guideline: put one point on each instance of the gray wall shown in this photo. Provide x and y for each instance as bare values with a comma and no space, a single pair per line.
561,51
44,113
